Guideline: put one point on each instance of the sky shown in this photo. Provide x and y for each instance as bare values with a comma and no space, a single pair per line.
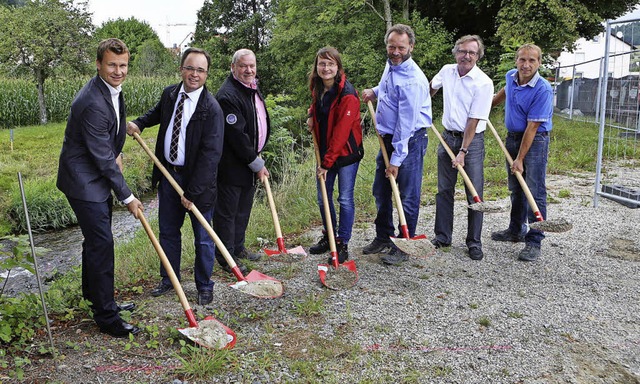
173,20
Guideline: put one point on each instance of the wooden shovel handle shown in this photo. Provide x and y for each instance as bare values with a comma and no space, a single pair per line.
193,209
272,206
325,204
461,170
523,183
392,179
167,266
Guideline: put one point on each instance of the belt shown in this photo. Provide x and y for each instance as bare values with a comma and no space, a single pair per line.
383,135
455,133
520,134
176,168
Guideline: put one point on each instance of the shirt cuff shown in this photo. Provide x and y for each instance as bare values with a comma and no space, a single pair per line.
256,165
128,199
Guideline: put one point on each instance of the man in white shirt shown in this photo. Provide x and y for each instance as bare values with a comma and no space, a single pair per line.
467,102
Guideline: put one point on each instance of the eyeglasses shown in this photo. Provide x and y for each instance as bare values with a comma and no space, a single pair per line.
463,52
327,65
199,71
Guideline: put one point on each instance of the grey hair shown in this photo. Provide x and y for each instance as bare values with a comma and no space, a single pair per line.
401,29
241,52
466,39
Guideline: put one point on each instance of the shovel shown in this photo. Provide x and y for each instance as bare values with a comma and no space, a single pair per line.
209,335
418,245
478,204
541,224
336,278
255,283
294,254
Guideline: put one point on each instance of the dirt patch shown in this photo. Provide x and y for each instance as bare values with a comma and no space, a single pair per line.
623,249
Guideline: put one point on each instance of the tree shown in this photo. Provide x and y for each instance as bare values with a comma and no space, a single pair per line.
44,35
153,59
225,26
133,32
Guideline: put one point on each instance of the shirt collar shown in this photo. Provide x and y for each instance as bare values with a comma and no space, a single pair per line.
253,85
532,83
114,91
475,71
402,66
193,95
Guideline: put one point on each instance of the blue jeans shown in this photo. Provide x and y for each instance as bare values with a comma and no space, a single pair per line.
346,183
447,178
535,172
409,183
171,214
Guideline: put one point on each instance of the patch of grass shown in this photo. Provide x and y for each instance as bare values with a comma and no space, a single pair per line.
484,321
564,193
310,305
203,363
515,315
473,305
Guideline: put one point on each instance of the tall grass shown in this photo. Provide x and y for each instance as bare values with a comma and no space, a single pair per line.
19,97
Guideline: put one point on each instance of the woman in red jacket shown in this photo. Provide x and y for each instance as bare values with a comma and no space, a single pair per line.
334,119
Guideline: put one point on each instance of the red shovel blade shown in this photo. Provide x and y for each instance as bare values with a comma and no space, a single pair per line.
259,285
324,269
194,333
286,255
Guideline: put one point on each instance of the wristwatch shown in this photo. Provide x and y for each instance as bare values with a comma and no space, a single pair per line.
464,150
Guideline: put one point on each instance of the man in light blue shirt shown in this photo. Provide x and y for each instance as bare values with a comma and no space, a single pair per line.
403,115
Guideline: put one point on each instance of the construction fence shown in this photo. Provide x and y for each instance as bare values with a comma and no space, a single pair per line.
606,92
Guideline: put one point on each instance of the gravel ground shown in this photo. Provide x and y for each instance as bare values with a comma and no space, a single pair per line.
570,317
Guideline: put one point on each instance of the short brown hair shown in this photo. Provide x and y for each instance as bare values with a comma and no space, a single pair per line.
530,47
114,45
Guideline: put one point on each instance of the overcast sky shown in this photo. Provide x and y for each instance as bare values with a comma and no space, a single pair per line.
162,15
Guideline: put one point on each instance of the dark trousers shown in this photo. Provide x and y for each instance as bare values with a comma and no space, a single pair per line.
447,179
171,215
97,258
231,217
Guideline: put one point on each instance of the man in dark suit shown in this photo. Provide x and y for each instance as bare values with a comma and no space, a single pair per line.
189,145
90,168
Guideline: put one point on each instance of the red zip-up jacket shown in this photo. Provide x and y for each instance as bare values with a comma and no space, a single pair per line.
344,132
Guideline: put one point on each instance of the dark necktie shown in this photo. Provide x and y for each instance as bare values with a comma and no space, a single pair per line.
177,126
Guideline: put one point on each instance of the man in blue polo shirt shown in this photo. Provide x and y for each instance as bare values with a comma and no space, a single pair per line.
528,113
403,114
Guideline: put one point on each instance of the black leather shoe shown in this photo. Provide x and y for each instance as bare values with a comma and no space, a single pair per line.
245,254
506,235
475,253
161,289
437,244
205,297
126,307
119,328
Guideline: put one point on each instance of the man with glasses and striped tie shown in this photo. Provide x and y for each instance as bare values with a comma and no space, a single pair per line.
189,145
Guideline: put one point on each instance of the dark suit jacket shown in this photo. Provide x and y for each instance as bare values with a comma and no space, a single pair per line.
203,147
88,169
